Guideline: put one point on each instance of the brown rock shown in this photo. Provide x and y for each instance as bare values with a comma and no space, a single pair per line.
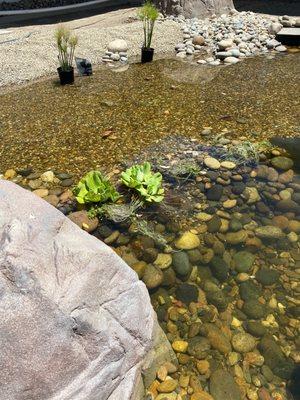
199,40
10,174
201,396
81,219
286,177
41,192
294,226
203,366
167,386
280,221
52,199
139,267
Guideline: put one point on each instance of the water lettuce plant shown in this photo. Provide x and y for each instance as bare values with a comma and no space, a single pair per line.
66,43
146,183
148,13
95,188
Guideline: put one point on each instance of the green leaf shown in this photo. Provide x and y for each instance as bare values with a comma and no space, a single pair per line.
95,188
146,183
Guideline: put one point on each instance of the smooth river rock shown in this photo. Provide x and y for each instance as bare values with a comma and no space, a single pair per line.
76,323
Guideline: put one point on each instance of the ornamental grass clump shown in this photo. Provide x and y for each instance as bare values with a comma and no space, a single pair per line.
148,14
66,43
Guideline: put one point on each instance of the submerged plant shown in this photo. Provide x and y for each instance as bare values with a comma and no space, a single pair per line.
185,169
242,154
95,188
148,13
142,227
145,182
66,43
118,213
247,153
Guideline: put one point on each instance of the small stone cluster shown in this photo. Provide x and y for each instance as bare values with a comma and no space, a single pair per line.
228,38
53,187
289,22
117,52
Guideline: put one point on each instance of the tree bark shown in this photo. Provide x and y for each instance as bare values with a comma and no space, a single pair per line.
194,8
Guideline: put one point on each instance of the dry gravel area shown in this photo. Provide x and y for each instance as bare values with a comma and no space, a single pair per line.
28,53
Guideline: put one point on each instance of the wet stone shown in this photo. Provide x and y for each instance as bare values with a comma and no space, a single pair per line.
181,264
152,276
255,328
267,276
243,261
243,342
218,299
254,309
219,268
282,163
187,293
223,386
214,193
199,347
275,359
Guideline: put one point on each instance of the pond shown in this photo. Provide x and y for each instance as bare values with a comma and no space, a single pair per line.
220,255
104,119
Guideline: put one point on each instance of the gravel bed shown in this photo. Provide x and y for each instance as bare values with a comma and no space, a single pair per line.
29,53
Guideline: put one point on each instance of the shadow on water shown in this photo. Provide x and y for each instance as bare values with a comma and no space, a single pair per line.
294,384
275,7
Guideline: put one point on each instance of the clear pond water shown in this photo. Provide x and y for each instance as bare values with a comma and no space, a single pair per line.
47,126
220,256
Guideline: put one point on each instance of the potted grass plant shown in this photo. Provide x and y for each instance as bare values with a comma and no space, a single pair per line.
148,14
66,43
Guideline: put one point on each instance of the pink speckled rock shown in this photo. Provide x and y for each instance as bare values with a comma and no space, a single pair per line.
76,323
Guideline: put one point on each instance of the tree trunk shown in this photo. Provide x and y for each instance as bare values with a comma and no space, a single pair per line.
194,8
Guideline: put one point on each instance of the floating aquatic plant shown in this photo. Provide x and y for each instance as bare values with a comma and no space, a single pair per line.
146,183
95,188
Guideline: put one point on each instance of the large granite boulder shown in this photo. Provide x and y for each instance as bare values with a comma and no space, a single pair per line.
76,323
194,8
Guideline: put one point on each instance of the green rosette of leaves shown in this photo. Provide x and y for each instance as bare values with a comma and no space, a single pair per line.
145,182
95,188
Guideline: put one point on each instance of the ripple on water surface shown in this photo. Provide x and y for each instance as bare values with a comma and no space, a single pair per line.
103,119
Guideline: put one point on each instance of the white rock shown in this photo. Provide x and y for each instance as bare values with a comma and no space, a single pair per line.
225,43
117,46
231,60
274,28
115,57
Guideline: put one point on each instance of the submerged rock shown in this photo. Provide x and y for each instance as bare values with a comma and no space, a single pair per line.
275,359
187,241
187,293
282,163
269,232
181,264
243,261
243,342
223,386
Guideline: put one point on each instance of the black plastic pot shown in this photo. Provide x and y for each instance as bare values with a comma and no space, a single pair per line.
147,54
66,77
